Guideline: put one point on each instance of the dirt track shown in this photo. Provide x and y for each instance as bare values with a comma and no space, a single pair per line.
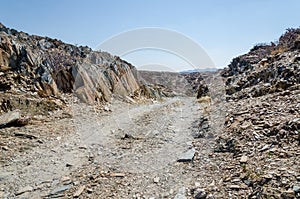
132,151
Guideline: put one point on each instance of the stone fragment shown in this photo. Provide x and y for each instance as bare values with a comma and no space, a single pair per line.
244,159
60,190
9,118
234,186
201,195
117,175
296,188
156,180
188,156
79,191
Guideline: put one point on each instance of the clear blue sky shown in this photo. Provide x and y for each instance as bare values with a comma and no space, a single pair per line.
224,29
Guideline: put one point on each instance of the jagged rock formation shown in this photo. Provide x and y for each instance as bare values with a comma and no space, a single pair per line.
171,83
45,67
266,68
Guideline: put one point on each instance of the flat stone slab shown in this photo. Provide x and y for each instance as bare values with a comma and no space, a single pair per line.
8,118
188,156
60,190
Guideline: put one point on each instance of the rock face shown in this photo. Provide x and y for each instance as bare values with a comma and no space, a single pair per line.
267,68
49,67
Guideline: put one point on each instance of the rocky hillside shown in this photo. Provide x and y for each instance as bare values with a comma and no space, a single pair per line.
267,68
260,143
41,67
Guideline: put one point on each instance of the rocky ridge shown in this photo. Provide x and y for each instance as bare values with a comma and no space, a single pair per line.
261,137
267,68
46,67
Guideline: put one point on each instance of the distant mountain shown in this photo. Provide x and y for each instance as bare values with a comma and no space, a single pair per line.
199,70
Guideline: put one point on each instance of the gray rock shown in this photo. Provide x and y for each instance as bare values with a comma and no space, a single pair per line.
296,188
205,125
187,156
60,189
199,134
201,195
180,194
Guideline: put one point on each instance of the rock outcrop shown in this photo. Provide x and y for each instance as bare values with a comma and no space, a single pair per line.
46,67
267,68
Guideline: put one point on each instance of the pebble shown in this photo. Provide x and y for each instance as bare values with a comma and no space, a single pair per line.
83,147
289,194
197,184
156,180
5,175
201,195
65,179
296,188
244,159
5,148
234,186
69,165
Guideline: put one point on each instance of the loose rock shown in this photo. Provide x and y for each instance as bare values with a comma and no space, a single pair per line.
188,156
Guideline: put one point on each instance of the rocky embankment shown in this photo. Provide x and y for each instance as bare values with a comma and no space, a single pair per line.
261,138
266,69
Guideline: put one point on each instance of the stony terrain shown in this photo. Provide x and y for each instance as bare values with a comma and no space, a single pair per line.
81,124
262,127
